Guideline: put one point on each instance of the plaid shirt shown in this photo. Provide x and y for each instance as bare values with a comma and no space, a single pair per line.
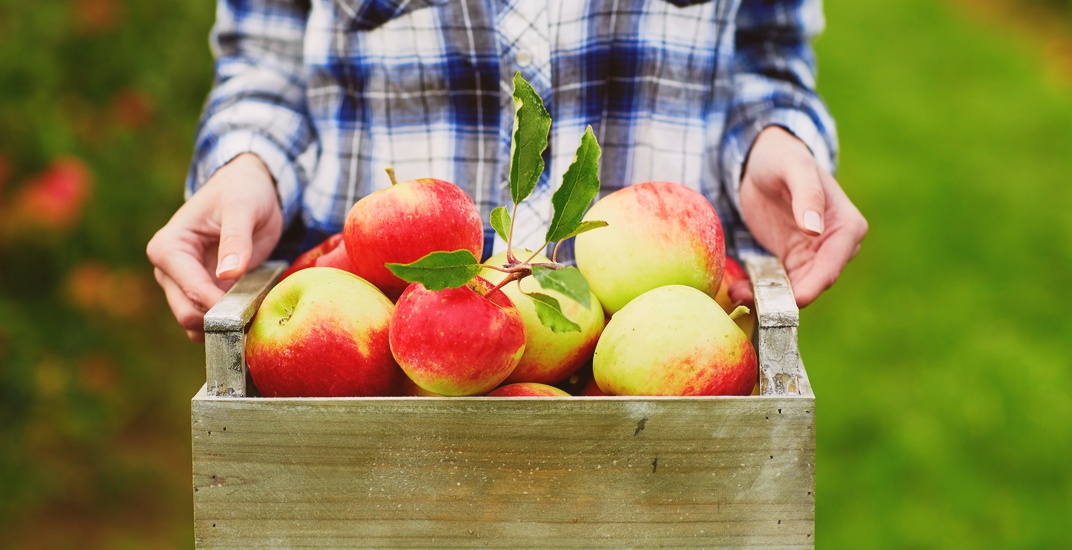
330,92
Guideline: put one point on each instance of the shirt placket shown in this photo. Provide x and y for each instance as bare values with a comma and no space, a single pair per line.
524,41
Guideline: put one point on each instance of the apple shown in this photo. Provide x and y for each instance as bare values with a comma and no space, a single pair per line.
732,273
674,340
322,332
405,222
550,357
658,234
410,389
591,389
330,253
457,341
527,389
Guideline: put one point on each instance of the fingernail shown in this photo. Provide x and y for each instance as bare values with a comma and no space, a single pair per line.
813,222
228,263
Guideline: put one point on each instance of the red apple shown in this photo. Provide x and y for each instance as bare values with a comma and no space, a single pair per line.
405,222
330,253
591,389
323,332
730,276
550,357
659,234
457,341
674,340
527,389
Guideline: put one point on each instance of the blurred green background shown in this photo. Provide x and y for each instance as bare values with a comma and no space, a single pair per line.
940,359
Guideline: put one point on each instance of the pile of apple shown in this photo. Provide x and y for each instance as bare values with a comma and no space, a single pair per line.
398,305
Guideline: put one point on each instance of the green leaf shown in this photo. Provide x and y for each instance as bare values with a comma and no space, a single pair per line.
585,227
500,222
532,123
439,270
550,313
580,185
568,281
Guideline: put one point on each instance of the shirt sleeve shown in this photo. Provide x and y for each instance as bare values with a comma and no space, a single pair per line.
257,103
774,84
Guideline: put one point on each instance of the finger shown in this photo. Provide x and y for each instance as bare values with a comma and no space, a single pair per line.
185,271
807,196
188,314
825,268
236,240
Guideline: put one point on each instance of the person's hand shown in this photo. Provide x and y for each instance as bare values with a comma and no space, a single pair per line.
796,210
229,225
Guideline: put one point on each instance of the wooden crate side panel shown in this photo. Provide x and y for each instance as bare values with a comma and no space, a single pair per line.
518,473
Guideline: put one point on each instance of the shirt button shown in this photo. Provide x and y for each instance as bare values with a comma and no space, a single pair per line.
523,58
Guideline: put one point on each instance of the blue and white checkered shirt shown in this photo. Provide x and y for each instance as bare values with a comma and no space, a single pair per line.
330,92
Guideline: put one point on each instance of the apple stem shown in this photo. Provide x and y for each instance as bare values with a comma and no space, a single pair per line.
739,311
391,174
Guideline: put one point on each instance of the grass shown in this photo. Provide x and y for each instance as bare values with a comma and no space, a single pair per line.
940,360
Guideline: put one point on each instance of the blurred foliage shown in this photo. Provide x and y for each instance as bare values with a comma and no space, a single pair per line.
98,104
940,359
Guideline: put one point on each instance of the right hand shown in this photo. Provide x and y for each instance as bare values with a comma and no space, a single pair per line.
229,225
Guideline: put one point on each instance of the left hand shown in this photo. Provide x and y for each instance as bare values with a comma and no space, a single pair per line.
796,210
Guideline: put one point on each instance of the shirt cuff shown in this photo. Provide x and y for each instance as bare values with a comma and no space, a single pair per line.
234,143
738,143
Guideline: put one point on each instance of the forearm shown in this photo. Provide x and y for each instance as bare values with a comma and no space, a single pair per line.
774,85
257,104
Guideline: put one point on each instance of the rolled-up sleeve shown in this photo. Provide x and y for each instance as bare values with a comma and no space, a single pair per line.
257,103
774,74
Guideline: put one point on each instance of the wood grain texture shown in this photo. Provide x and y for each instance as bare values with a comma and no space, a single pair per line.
780,368
225,330
504,472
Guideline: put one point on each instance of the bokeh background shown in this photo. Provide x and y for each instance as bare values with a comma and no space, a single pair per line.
940,360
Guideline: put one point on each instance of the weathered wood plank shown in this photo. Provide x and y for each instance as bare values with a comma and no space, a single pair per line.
780,367
537,473
225,330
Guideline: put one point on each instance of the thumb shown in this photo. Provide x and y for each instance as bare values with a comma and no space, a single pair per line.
808,199
236,241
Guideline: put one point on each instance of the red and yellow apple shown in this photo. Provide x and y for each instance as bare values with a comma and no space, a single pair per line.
527,389
322,332
733,273
658,234
550,357
457,341
674,340
405,222
330,253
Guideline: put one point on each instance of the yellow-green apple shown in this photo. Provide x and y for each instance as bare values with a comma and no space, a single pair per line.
550,356
658,234
733,273
405,222
528,389
323,332
457,341
674,340
330,253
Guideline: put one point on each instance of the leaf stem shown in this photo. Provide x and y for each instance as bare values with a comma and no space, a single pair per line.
510,237
537,252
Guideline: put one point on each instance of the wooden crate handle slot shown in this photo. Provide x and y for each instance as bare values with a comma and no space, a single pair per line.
225,330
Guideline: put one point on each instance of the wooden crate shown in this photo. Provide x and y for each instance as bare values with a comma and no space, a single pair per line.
421,472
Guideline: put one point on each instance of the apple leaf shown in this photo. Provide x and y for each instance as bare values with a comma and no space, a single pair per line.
585,227
500,222
550,313
567,281
532,123
580,184
439,270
